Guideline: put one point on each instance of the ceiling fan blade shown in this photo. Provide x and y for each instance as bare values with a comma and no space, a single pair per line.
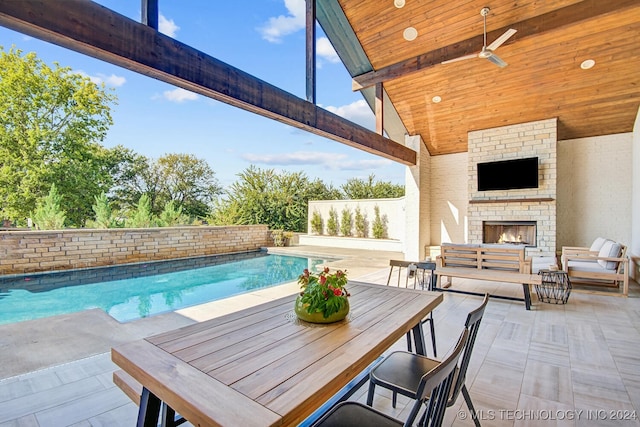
497,60
503,38
460,58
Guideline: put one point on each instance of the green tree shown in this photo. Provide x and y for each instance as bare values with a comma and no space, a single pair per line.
104,215
51,123
346,222
356,188
379,226
333,224
182,178
278,200
189,182
172,216
128,171
224,212
318,190
48,214
141,217
316,223
360,223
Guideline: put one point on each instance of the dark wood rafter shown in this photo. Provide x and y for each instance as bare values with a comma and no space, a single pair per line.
311,50
150,13
535,26
94,30
379,107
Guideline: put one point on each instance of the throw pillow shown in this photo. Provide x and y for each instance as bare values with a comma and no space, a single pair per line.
597,244
609,250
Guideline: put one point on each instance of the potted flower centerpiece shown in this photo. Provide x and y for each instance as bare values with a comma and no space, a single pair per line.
324,297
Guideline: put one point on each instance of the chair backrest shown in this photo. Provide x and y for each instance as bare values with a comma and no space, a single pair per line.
435,386
472,324
424,273
394,263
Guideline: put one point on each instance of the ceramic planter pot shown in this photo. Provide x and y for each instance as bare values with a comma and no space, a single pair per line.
318,317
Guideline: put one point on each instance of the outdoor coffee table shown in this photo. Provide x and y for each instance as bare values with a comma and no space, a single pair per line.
262,366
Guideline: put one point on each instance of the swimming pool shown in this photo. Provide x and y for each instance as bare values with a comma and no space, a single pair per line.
141,290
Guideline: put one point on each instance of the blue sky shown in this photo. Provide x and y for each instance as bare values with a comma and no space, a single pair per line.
265,38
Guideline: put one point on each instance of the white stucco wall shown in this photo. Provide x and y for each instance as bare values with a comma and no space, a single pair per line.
449,198
594,189
635,195
594,194
391,210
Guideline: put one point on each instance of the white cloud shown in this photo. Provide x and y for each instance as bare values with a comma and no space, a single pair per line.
331,161
112,80
179,95
167,26
295,158
282,25
357,112
324,49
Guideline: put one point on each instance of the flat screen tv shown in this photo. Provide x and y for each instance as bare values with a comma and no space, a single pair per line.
508,174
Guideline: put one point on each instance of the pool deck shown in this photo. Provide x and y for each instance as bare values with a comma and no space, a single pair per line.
579,361
42,343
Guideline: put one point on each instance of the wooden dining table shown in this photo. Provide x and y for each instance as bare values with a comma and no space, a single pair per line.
262,366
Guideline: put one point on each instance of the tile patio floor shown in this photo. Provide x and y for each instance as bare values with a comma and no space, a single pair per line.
571,365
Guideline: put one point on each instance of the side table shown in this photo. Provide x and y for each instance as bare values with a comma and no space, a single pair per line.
555,287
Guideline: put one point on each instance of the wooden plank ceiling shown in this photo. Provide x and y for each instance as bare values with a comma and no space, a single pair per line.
543,78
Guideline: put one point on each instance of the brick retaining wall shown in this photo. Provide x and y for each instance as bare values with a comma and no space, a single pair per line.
34,251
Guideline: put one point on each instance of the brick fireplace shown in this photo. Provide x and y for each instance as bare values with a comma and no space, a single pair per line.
532,206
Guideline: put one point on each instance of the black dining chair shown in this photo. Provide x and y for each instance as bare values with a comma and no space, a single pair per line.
417,271
399,370
434,388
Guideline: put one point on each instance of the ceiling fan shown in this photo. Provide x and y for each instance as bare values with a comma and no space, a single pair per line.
487,52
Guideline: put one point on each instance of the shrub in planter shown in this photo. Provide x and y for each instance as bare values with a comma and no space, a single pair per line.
332,223
360,223
278,237
379,224
346,222
316,223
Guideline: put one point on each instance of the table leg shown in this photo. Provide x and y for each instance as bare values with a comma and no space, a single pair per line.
168,418
527,296
433,283
149,409
418,338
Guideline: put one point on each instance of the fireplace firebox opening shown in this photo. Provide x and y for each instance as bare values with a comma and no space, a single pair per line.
510,232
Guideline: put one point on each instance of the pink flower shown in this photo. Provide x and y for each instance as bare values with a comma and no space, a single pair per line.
337,292
326,270
323,280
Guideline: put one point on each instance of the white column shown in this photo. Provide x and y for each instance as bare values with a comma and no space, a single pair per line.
416,202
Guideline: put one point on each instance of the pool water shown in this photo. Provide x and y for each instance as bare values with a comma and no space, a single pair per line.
135,291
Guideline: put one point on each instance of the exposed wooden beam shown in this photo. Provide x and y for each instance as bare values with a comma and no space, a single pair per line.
537,25
150,13
311,50
94,30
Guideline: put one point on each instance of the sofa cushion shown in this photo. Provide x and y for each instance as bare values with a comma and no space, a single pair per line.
587,266
597,244
610,249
